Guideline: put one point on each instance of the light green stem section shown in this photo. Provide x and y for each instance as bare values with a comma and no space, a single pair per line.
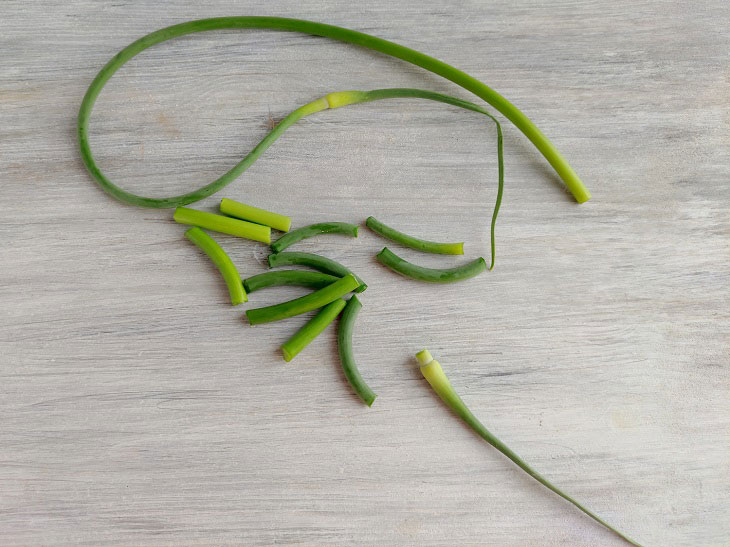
224,225
434,374
254,214
313,328
222,261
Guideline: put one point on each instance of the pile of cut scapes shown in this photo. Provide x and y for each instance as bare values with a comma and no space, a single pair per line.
331,281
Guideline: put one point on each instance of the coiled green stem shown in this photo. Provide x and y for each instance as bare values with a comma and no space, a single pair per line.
511,112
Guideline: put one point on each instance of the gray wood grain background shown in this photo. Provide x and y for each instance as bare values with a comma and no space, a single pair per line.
138,408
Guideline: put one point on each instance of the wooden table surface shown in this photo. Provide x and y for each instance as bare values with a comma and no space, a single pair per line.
138,408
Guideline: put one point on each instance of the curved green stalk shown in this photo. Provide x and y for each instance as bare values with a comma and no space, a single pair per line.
434,374
313,328
222,261
254,214
312,230
347,358
202,192
413,242
303,304
224,225
430,275
511,112
321,263
299,278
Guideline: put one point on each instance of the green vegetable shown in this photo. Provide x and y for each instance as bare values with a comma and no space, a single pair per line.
312,230
511,112
301,278
434,374
344,344
221,260
325,265
225,225
310,302
430,275
254,214
414,243
311,329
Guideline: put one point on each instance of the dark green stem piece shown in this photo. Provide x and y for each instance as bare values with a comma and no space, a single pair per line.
344,344
413,242
312,230
321,263
430,275
299,278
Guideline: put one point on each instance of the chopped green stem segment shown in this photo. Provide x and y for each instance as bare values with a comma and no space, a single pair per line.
324,265
222,261
430,275
344,344
432,371
414,243
299,278
310,302
254,214
311,329
225,225
312,230
334,100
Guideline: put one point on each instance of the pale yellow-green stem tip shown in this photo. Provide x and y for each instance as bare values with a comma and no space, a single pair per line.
435,375
424,357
